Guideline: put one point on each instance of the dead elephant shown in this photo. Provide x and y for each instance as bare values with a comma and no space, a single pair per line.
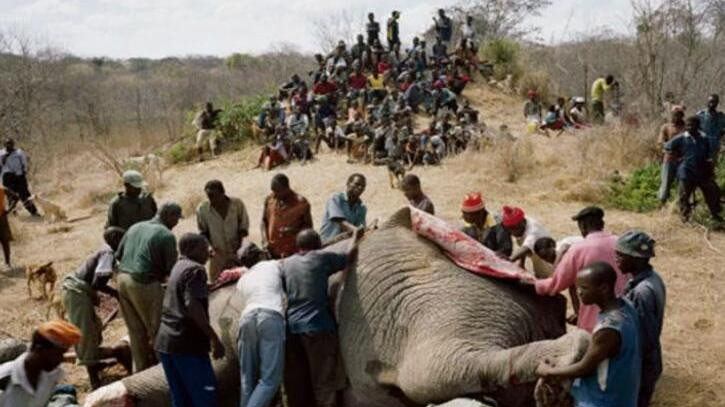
414,329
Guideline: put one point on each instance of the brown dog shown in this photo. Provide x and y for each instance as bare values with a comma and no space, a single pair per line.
44,276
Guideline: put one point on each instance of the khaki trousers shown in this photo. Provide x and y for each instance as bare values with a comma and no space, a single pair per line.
141,309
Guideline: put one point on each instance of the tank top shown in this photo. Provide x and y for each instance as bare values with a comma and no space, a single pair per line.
616,381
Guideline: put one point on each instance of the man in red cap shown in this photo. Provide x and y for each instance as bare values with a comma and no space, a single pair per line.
30,379
526,231
484,228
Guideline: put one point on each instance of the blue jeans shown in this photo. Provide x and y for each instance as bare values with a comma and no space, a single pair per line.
261,356
191,380
667,178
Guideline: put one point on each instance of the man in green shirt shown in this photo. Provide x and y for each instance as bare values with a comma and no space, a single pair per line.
133,205
599,87
146,254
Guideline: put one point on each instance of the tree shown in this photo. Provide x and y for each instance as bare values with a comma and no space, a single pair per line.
331,28
499,18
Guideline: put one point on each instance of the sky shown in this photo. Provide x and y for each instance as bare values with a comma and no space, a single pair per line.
159,28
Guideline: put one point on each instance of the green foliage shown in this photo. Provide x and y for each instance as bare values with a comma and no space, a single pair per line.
638,192
504,55
181,152
236,118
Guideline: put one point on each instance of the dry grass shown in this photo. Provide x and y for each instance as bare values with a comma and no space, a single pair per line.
559,174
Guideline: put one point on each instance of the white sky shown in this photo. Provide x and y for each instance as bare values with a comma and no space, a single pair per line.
158,28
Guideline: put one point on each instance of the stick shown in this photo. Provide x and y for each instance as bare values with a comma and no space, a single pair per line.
706,236
109,318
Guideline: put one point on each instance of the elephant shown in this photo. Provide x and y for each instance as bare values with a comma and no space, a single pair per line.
414,329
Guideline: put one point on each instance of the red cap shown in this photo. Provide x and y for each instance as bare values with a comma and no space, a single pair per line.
438,84
472,202
512,216
531,93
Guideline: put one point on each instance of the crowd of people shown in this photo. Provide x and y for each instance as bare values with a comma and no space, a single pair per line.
363,99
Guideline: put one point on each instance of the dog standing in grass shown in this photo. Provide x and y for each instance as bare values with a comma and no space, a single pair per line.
43,277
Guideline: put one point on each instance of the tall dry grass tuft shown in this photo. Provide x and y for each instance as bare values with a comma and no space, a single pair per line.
513,158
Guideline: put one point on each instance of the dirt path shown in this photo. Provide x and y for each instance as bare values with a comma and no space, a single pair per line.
694,349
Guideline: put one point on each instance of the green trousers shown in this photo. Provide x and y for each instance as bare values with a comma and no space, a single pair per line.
141,308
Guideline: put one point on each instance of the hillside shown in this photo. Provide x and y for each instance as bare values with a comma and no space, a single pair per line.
553,175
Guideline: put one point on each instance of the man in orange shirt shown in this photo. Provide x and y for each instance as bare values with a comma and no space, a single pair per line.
285,214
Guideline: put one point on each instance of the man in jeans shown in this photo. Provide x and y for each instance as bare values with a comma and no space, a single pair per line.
185,335
261,329
312,350
696,170
147,253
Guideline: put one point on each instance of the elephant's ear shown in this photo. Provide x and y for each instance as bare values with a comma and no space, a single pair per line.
401,218
382,373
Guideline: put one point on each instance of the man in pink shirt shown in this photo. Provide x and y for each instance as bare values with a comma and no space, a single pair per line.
597,245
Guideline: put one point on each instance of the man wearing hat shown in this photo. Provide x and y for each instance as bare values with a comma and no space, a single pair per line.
597,245
527,231
133,205
147,253
483,227
646,291
29,380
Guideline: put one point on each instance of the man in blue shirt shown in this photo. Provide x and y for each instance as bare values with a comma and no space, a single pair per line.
646,292
344,211
696,169
312,347
712,123
608,375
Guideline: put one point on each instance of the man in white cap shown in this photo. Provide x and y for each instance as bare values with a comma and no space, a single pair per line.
133,205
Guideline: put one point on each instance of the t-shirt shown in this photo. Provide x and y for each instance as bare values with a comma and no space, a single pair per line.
376,83
97,269
616,381
565,243
425,205
305,281
713,125
357,81
534,231
179,334
125,212
694,151
598,88
338,208
646,291
261,287
147,251
16,390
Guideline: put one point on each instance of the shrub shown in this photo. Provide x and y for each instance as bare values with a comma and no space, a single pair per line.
180,152
236,118
504,55
638,192
538,81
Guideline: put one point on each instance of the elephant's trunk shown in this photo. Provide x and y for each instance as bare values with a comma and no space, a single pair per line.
518,365
150,389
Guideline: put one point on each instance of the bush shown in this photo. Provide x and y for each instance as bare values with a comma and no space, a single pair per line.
504,55
637,193
538,81
180,152
236,118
